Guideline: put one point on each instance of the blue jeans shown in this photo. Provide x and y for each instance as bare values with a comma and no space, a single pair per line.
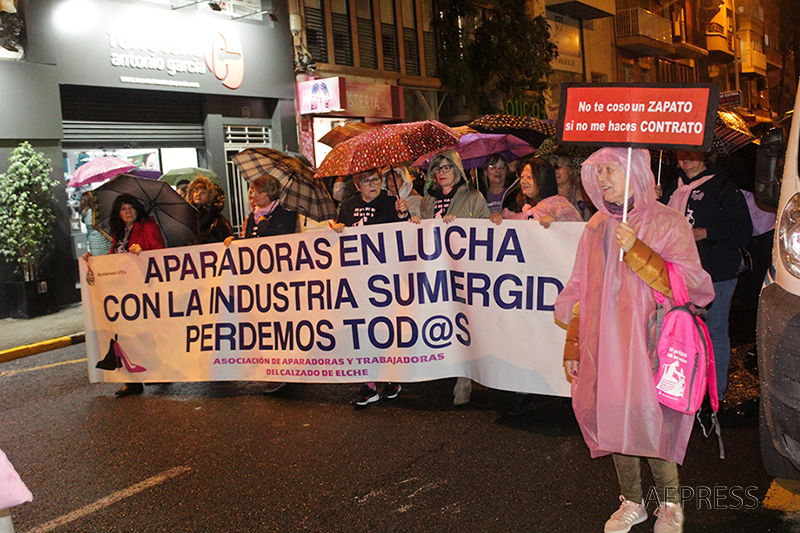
717,322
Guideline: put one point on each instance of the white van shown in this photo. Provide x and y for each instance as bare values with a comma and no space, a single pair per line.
779,306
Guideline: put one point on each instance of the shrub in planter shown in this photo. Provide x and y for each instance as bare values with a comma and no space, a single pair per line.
26,210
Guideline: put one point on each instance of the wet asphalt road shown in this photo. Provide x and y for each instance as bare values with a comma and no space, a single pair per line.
225,458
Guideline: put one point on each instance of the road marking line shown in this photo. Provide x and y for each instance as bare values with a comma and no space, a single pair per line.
8,373
109,500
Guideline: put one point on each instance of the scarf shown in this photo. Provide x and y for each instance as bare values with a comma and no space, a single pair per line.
680,197
264,211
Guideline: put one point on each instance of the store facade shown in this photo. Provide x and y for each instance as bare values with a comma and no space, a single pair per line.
163,83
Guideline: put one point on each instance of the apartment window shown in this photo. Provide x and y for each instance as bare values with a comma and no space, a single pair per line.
410,41
342,33
366,34
316,37
391,53
429,40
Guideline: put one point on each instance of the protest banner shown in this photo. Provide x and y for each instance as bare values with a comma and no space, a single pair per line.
395,302
655,116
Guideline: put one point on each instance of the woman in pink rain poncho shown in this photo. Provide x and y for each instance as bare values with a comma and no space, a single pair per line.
613,394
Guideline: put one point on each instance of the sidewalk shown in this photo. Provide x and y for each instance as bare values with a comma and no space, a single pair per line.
20,337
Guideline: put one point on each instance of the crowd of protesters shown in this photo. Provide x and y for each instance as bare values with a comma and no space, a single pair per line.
700,224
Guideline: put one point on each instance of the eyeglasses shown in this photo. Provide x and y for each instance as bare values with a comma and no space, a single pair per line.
370,181
255,193
499,167
443,168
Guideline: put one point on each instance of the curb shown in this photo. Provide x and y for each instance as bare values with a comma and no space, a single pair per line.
39,347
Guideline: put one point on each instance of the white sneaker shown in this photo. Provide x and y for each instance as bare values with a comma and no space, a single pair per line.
628,515
670,518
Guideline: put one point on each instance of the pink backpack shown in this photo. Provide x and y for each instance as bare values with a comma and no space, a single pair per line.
685,354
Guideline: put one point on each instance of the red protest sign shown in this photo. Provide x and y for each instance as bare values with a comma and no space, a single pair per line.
661,116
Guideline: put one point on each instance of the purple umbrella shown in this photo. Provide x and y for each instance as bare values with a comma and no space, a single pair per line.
475,149
99,169
146,173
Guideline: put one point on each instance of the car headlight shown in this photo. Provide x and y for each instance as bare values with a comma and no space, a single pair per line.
790,236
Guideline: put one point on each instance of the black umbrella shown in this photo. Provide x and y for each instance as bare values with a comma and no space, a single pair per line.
176,217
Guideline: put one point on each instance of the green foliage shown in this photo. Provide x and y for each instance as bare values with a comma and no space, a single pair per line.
512,52
507,53
26,209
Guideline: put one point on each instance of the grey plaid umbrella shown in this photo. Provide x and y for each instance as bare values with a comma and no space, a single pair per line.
301,192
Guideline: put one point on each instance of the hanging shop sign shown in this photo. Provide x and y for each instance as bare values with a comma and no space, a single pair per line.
320,96
638,115
342,97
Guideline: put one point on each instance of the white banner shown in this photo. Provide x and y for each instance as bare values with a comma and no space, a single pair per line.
396,302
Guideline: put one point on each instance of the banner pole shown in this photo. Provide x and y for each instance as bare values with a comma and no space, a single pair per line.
627,191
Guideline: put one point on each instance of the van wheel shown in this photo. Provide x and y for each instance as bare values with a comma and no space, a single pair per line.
775,464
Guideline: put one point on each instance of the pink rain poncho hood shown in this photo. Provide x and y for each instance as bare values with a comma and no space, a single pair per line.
614,397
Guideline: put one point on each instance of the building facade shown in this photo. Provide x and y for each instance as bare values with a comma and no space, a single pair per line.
163,83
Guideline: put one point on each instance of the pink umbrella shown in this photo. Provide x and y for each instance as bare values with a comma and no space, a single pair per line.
475,149
99,169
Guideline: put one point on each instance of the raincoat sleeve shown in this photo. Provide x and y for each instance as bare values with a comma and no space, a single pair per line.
677,246
571,293
649,266
557,207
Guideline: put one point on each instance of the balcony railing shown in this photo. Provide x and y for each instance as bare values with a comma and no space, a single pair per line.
714,27
686,33
640,22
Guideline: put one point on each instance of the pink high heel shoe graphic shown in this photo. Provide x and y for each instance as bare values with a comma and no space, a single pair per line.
116,358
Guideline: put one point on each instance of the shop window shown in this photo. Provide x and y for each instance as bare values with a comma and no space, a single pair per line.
342,33
391,53
316,37
366,34
410,42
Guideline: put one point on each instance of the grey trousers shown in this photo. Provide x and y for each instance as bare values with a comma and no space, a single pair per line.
665,475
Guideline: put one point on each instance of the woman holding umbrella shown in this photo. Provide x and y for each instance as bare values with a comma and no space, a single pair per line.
132,231
608,305
448,196
267,218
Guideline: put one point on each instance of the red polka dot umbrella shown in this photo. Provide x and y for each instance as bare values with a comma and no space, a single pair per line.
386,145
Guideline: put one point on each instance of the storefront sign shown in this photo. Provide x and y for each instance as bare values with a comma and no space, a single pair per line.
394,302
347,98
320,96
638,115
122,45
730,99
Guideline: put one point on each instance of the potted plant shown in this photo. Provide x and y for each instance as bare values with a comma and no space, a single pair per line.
26,216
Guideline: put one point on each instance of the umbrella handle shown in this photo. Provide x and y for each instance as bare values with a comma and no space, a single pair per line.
627,191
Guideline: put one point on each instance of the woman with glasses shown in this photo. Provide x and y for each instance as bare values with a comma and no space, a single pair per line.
372,205
610,308
497,173
267,218
448,196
